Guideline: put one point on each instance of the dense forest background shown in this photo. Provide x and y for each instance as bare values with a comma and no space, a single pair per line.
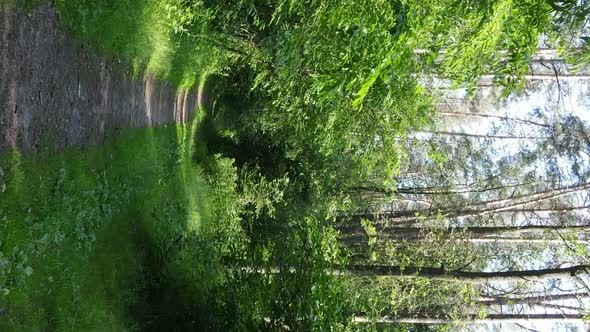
355,165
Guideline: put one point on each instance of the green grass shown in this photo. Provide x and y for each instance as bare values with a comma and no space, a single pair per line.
163,37
129,235
84,234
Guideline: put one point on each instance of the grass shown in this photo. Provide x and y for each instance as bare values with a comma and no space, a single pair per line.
87,235
162,37
129,235
170,39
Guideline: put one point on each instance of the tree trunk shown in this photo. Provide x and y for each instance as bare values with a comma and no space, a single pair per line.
469,135
464,276
539,55
403,233
516,240
502,300
482,115
504,318
507,205
357,234
434,273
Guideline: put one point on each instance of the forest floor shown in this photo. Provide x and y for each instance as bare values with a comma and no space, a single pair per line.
54,91
99,189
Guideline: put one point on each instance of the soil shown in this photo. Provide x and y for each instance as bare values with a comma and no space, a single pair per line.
55,92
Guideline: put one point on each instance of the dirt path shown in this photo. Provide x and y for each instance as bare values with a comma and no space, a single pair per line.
54,91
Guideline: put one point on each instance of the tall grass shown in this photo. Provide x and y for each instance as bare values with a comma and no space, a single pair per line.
87,236
164,37
129,235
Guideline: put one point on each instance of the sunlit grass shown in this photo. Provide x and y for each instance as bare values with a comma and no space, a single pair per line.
87,235
75,226
146,35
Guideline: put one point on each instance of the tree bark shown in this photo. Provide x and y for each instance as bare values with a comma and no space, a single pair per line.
516,240
505,318
356,233
469,135
463,189
483,115
465,276
508,205
502,300
403,233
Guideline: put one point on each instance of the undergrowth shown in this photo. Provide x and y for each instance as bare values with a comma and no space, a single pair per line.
170,39
152,35
130,235
152,231
98,239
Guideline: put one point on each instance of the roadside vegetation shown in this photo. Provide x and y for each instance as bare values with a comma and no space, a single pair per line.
315,189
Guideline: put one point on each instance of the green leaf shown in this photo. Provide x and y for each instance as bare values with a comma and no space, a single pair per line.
362,93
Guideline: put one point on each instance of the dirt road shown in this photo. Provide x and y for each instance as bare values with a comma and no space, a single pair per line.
55,92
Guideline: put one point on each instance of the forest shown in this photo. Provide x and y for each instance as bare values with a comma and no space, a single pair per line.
295,165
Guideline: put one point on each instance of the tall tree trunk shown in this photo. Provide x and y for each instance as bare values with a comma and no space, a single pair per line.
543,77
542,53
517,240
464,276
497,318
413,233
470,135
502,300
508,205
489,116
476,277
479,186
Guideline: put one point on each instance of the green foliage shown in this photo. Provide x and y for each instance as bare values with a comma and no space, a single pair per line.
492,38
225,203
68,219
384,296
569,14
164,37
322,68
26,5
568,26
229,226
340,83
259,194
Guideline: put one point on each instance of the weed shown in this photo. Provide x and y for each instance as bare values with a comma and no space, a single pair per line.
85,235
150,35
